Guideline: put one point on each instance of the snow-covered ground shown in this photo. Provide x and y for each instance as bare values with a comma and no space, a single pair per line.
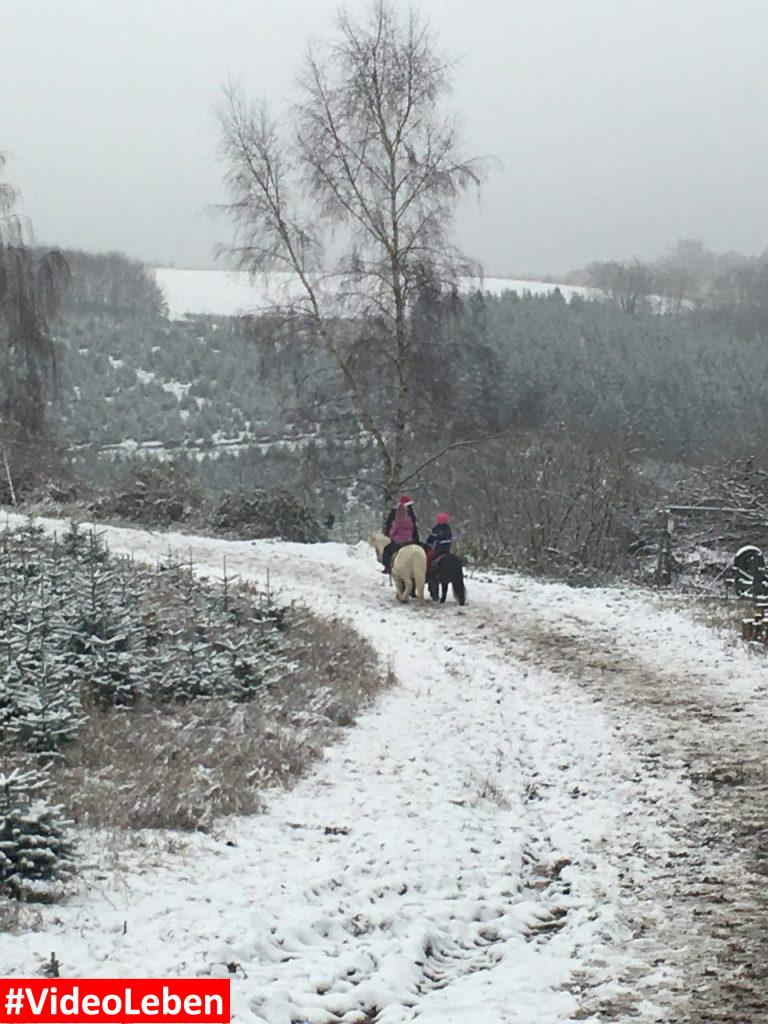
224,293
529,827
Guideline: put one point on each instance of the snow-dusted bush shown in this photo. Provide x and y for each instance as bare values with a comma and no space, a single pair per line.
255,514
40,708
35,845
152,494
100,631
43,712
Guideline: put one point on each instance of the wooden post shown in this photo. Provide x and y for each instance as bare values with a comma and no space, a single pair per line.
664,548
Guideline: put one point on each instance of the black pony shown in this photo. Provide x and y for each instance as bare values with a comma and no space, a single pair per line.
445,570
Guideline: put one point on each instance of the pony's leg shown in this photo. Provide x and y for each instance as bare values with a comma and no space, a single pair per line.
443,592
402,589
419,579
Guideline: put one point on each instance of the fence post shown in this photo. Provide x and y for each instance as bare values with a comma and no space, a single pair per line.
664,548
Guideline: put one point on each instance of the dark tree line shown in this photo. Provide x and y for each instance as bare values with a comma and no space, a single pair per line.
111,283
727,289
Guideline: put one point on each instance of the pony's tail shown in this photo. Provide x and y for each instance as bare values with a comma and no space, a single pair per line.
459,589
419,580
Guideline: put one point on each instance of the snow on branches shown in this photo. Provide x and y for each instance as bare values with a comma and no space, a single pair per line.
85,633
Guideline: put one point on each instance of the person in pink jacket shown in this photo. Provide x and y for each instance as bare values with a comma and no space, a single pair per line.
401,528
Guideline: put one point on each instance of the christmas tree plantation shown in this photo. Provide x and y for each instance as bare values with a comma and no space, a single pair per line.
84,634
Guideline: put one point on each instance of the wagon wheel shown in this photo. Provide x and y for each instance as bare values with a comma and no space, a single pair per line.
750,575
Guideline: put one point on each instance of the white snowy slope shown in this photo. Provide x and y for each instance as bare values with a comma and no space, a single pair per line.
457,858
224,293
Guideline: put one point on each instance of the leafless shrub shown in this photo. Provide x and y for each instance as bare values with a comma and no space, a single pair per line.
16,916
737,480
489,789
543,505
32,466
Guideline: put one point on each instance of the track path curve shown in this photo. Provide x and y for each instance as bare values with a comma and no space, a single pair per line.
558,814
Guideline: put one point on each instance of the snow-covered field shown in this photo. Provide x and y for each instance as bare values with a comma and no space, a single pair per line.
224,293
521,830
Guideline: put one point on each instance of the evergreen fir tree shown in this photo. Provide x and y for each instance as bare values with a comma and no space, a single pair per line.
99,632
46,710
35,848
39,702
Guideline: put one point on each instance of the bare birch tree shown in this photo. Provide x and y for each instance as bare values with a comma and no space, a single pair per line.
372,159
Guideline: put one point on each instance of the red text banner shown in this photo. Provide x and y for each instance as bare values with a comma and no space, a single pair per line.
121,1000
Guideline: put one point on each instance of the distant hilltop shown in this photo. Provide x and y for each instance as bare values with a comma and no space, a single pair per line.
228,293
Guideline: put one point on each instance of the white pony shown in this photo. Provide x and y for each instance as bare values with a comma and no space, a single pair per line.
409,567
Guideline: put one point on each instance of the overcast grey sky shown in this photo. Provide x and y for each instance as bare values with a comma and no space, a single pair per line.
620,125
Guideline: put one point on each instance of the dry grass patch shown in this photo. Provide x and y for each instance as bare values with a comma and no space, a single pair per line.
725,615
17,917
718,612
490,790
160,765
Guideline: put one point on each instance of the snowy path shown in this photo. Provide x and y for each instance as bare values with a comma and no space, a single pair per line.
540,823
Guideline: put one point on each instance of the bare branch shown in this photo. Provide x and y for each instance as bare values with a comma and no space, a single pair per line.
374,158
444,451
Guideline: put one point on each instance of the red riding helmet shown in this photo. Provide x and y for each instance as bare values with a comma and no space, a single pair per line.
443,518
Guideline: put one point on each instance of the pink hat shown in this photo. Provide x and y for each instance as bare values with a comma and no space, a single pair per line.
405,500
